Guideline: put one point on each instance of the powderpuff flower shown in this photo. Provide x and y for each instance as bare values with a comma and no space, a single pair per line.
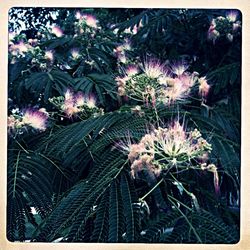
178,91
75,53
133,150
91,20
204,87
35,118
127,45
12,35
127,31
118,49
121,81
232,15
33,42
132,70
78,15
122,58
19,48
135,30
173,141
213,34
57,31
90,101
153,69
165,147
178,68
69,95
11,123
69,109
49,55
236,26
188,80
79,99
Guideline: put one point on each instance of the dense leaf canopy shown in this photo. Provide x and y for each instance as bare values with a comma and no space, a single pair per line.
124,125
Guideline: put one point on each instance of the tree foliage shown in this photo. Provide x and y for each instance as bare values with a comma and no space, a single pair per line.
75,171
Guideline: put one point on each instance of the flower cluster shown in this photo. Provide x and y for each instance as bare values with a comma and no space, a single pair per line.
36,119
120,51
165,148
154,82
57,31
21,48
77,105
86,22
128,31
224,27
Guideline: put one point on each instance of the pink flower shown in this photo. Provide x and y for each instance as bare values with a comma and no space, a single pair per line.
35,118
33,42
236,26
11,123
188,80
121,81
121,57
70,109
19,48
49,55
204,87
232,15
153,68
213,34
69,95
178,68
132,70
90,101
57,31
90,20
79,99
78,15
75,53
178,91
12,35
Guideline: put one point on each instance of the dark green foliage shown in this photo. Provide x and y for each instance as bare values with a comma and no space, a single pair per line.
29,184
76,174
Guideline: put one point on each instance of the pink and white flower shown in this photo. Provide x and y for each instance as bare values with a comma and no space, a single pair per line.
57,31
153,68
132,70
49,55
232,15
203,87
90,101
35,118
91,20
178,68
75,53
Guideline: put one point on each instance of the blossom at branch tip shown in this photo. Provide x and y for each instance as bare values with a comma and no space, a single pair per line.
35,118
178,68
203,87
153,68
131,70
75,53
57,31
163,148
90,101
91,20
49,55
232,15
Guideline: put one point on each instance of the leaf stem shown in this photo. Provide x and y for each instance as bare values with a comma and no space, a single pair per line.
17,163
151,190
